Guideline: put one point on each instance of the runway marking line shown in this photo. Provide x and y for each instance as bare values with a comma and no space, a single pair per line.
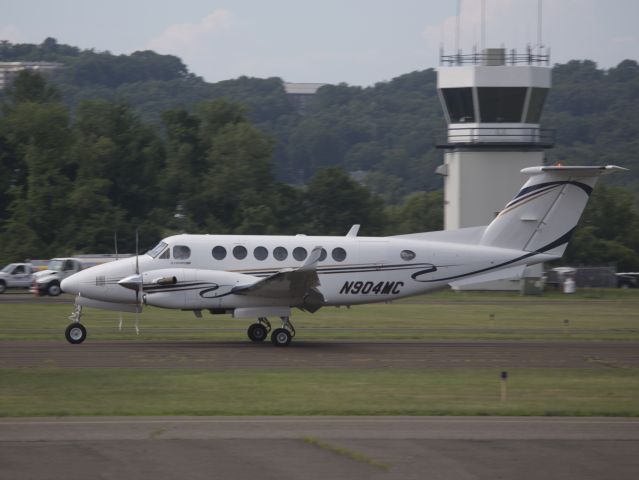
552,420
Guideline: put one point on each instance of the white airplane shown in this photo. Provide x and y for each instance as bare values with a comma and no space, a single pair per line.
266,276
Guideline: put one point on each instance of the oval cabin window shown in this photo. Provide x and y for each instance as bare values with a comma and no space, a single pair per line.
240,252
219,253
260,253
338,254
280,253
300,254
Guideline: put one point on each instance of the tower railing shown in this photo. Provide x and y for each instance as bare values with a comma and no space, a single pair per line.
496,56
506,136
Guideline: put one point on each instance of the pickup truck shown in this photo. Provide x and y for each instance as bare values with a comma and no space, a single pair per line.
47,282
16,275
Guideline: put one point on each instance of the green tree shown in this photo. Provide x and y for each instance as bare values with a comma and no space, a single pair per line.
335,202
608,233
36,131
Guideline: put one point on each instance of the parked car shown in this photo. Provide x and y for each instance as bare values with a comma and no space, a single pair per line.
47,282
16,275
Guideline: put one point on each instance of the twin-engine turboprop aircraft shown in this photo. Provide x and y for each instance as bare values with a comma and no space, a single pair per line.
265,276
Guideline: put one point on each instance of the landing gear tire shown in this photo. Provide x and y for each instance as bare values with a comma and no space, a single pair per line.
257,332
54,289
281,337
75,333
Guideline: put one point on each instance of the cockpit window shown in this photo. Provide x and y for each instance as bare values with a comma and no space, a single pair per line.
181,252
166,254
155,251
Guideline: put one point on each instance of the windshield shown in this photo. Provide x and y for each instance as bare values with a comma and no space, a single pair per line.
55,265
155,251
8,268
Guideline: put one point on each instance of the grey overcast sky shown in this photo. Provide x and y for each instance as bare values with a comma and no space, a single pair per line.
359,42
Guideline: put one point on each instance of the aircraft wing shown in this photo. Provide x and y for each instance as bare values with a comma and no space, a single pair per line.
293,283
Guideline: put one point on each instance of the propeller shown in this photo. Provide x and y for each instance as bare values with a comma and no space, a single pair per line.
140,284
135,282
117,257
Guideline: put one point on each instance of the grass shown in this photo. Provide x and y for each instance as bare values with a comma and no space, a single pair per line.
64,392
593,315
604,314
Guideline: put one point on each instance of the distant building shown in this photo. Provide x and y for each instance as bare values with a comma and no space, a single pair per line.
8,70
299,94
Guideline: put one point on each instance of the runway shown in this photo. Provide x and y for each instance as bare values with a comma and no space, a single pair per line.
319,448
327,354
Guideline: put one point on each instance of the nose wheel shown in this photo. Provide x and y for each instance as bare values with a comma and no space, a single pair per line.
75,333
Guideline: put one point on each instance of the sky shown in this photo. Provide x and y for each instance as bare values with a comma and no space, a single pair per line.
359,42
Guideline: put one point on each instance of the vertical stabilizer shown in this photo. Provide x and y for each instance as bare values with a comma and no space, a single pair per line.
543,215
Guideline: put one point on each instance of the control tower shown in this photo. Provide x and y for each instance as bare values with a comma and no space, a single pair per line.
492,102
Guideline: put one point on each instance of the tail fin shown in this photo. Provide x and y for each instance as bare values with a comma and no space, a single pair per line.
543,215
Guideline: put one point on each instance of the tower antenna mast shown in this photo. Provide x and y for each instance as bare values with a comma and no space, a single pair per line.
457,27
483,24
539,17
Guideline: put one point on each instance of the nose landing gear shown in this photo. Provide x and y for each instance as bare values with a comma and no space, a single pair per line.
75,333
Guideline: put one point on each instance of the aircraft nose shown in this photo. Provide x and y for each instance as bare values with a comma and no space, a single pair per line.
71,284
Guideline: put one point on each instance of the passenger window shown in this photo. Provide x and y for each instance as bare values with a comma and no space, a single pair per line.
240,252
280,253
260,253
219,253
181,252
339,254
300,253
19,270
68,265
323,255
166,254
407,255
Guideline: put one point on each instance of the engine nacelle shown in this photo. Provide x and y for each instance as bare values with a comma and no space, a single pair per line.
190,289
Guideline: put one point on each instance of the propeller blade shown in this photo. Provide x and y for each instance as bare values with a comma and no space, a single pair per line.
137,263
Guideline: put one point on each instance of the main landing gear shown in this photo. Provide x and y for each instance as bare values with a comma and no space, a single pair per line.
75,332
280,337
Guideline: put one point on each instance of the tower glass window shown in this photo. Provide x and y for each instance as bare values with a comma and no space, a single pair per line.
501,104
459,103
537,100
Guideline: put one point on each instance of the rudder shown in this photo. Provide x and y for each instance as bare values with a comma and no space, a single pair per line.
543,215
